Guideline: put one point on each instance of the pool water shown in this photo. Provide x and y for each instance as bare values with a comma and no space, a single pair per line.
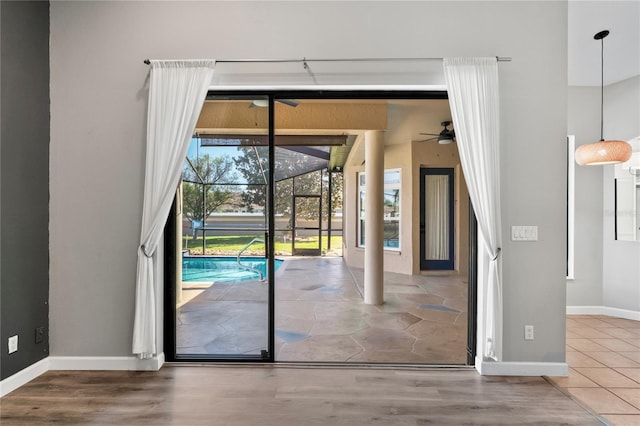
223,269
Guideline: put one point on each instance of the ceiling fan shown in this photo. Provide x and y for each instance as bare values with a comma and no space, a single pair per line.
445,137
263,103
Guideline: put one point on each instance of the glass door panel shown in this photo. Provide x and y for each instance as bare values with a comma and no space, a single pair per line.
222,306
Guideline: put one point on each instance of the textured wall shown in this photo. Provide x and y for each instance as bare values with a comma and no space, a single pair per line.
24,104
99,93
621,259
583,122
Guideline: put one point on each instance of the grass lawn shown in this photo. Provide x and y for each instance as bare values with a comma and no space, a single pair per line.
230,245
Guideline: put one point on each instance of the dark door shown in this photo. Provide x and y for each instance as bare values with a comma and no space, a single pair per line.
436,219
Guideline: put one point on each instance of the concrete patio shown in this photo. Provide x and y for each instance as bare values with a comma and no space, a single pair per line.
321,317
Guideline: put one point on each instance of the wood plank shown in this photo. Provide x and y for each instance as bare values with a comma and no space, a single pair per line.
230,116
284,395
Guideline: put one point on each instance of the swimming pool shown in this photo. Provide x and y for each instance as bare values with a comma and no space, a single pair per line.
223,269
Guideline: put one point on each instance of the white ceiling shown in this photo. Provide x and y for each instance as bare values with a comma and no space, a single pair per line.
621,47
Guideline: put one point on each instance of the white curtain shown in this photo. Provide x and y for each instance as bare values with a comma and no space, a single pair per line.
177,90
437,213
472,84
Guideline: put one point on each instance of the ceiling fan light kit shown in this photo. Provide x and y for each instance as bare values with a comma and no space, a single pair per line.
602,152
445,137
259,103
443,140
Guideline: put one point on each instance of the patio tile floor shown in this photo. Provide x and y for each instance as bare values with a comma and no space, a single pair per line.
321,317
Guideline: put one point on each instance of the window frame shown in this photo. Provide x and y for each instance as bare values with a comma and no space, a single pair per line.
360,208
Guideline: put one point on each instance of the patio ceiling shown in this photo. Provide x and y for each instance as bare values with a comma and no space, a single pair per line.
334,123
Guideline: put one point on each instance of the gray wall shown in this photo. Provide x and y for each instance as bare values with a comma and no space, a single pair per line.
584,123
613,282
621,259
24,169
99,93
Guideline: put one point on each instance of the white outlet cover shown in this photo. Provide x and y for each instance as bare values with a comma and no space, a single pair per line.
528,332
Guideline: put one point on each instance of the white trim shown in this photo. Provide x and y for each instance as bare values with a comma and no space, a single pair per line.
392,186
334,87
98,363
584,310
604,310
621,313
571,185
23,377
102,363
498,368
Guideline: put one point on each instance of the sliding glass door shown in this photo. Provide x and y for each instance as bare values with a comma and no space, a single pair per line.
263,175
222,308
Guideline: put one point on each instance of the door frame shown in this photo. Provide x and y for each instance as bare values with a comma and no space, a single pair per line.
170,246
472,286
294,228
170,259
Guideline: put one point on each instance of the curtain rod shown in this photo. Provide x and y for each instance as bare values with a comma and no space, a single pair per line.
304,61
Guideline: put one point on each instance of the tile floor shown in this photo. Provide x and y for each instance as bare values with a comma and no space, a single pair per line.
320,317
320,303
603,354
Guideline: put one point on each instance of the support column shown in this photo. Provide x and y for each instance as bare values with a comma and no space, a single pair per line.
374,217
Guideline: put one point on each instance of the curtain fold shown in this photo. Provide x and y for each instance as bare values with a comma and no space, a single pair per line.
177,90
472,84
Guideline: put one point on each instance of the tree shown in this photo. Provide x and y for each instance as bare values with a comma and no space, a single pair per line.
337,181
253,165
207,177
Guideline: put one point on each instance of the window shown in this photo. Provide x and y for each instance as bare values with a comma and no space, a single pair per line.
391,209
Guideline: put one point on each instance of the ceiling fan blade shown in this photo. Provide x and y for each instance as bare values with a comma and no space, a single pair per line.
430,134
290,102
427,140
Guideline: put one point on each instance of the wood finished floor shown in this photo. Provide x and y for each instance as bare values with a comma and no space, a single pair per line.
280,395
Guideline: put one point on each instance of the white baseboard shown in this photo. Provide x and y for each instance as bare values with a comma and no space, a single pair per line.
106,363
604,310
23,377
499,368
584,310
97,363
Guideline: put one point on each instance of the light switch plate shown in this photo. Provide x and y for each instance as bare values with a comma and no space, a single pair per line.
13,344
524,233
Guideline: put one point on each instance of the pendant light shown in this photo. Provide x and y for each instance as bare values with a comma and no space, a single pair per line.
603,152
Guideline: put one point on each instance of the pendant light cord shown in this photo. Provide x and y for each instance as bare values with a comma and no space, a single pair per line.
600,153
602,89
600,36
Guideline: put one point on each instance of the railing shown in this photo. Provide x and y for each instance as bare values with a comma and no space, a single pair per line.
241,265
